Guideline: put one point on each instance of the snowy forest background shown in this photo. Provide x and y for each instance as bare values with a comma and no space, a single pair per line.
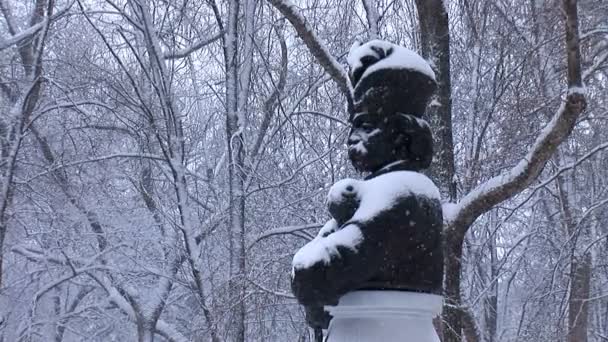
161,161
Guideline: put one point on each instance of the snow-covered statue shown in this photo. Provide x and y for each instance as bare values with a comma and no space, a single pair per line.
385,231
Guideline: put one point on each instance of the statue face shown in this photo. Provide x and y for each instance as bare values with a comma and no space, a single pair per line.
369,145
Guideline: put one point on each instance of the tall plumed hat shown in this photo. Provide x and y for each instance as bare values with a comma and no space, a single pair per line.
389,79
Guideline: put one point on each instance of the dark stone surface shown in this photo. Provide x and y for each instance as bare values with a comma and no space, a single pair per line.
344,207
388,91
401,137
401,246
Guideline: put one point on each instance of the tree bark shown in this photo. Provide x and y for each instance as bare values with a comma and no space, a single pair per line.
235,146
580,266
491,302
435,46
30,52
452,323
578,300
372,19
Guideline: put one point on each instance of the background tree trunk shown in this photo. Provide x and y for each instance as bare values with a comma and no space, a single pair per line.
235,145
578,300
435,45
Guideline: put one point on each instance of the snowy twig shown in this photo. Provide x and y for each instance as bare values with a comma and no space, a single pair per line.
283,231
185,52
272,292
97,159
290,177
569,167
275,96
115,297
39,255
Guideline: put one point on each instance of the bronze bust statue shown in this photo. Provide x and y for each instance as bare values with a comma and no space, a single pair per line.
385,231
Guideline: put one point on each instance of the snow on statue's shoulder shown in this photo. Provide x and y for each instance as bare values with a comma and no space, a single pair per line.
397,57
380,193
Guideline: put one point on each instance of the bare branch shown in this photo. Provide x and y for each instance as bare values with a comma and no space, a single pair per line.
272,292
270,103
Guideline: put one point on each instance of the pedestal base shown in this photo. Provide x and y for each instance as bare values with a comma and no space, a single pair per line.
387,316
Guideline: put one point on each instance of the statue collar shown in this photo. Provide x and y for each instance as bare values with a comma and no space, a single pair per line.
399,165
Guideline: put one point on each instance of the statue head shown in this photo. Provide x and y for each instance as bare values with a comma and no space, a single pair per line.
375,142
392,87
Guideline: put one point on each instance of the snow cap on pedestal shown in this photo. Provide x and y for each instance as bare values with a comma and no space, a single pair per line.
389,79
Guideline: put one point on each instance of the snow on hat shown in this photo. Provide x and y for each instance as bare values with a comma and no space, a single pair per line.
389,79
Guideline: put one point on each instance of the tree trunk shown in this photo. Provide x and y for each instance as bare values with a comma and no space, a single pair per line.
31,62
234,136
580,267
578,304
491,302
435,38
145,330
435,46
452,322
2,234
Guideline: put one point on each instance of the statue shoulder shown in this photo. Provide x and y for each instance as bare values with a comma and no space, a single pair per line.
404,182
383,192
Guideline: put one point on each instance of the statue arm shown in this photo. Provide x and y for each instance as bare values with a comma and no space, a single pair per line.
328,267
331,265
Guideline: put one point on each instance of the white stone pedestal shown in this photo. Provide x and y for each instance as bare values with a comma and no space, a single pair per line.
386,316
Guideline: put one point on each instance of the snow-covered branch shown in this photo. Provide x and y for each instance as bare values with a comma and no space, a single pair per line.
571,166
272,292
39,255
30,31
194,47
116,298
98,159
21,36
504,186
316,46
275,96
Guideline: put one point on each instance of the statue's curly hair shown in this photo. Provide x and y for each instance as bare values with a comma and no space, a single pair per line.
413,140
